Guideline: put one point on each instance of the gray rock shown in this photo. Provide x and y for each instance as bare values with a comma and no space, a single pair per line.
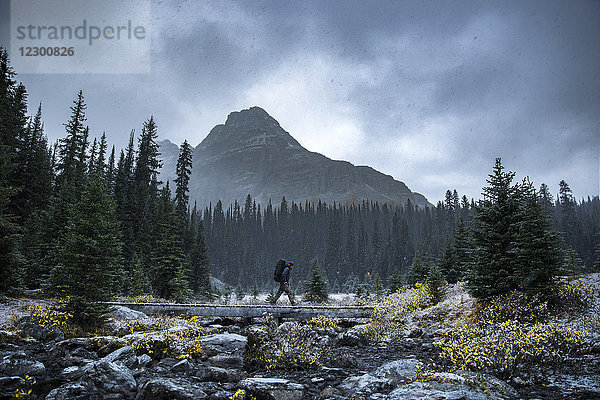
383,378
226,361
74,391
19,365
170,389
112,378
8,386
223,343
30,328
125,356
461,385
144,360
121,312
181,366
216,374
272,388
74,372
355,336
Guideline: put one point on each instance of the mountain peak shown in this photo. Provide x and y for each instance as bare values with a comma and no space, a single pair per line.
252,127
253,117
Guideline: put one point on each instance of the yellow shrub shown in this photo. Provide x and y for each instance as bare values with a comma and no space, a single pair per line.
390,312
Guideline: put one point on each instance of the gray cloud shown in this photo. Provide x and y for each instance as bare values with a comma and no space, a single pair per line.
430,92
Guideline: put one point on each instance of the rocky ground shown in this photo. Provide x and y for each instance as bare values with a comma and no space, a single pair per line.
125,362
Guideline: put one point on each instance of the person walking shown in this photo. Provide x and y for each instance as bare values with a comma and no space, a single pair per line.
284,284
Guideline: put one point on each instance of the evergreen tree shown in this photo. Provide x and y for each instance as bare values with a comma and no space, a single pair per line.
418,271
449,265
435,284
395,282
255,291
183,170
89,255
316,286
536,246
168,270
493,267
199,263
10,127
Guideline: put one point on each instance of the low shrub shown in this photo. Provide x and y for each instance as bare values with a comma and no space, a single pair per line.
391,311
290,346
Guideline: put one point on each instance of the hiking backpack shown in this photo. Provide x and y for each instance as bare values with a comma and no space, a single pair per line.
279,267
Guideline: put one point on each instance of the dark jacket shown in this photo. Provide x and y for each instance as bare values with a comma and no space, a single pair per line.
285,275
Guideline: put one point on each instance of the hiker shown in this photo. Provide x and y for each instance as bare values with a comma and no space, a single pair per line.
284,281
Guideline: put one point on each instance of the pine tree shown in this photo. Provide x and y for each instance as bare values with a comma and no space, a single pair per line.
183,170
168,270
418,271
435,284
316,286
89,255
493,267
395,282
11,127
449,265
199,263
536,245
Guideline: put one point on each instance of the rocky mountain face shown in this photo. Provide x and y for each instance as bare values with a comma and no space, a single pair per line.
252,154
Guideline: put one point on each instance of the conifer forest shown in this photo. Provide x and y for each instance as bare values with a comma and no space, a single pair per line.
85,220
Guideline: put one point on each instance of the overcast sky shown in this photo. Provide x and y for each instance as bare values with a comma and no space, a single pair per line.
428,92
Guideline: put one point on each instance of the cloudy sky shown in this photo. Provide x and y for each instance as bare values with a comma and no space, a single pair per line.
430,92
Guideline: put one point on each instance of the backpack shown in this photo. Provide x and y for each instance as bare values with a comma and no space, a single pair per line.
279,267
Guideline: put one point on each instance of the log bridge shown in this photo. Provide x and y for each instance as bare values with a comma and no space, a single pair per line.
249,311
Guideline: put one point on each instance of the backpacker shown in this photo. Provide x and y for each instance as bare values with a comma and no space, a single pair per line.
279,267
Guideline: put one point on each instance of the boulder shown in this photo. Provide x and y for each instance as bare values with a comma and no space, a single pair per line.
112,378
216,374
181,367
170,389
223,343
125,356
383,378
18,364
9,385
74,391
272,388
30,328
226,361
121,312
355,336
455,386
144,360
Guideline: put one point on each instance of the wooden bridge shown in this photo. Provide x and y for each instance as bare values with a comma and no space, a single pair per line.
249,311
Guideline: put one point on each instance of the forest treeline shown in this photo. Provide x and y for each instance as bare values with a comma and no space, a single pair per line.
86,222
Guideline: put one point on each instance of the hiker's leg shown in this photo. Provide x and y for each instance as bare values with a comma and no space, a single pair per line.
279,293
290,294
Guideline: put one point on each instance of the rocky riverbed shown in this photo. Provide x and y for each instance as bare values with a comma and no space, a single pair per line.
129,362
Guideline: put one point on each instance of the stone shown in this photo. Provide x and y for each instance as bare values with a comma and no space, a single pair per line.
125,356
122,312
355,336
273,388
73,391
31,329
112,378
226,361
383,378
181,366
144,360
9,385
223,343
19,364
456,386
329,392
216,374
170,389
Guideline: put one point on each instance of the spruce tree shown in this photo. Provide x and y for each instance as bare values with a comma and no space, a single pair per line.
199,263
418,271
183,171
168,269
536,246
316,286
497,217
88,257
449,265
